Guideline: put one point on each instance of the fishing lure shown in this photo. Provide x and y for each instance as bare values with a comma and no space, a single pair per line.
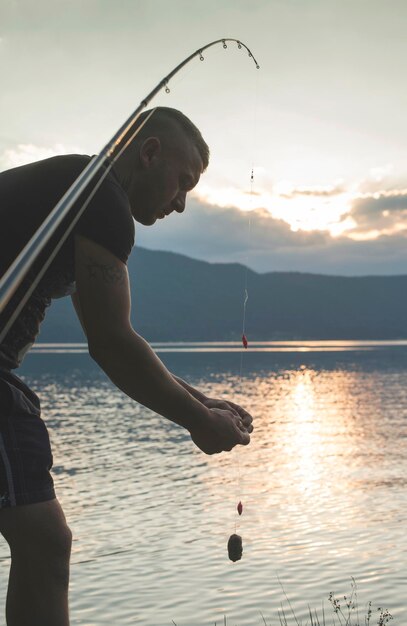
240,508
244,341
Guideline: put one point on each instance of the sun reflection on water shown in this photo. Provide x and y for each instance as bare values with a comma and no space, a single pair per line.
323,476
304,432
315,455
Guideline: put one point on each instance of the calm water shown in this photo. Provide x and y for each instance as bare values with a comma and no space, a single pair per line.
323,484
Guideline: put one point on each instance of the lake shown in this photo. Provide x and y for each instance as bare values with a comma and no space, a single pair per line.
323,485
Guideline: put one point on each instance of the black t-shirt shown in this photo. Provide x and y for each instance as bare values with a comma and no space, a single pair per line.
27,195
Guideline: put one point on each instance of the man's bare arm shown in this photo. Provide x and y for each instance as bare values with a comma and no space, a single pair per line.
103,295
194,392
103,300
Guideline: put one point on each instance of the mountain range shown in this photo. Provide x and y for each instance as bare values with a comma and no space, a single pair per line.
177,298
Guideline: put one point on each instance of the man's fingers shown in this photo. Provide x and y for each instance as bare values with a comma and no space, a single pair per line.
244,426
245,439
242,412
223,405
247,422
245,419
240,425
220,404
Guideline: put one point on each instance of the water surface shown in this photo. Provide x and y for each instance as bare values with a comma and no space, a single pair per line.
323,484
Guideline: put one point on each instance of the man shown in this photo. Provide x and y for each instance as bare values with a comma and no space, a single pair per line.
149,182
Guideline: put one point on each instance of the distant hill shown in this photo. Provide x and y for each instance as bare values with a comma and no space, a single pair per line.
176,298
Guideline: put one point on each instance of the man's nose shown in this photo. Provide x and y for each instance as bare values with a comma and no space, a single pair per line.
179,202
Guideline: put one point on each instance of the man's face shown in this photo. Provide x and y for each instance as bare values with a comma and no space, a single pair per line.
165,181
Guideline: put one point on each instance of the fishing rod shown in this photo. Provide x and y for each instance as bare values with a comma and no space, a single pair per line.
17,271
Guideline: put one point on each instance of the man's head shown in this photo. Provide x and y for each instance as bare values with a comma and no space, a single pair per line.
164,162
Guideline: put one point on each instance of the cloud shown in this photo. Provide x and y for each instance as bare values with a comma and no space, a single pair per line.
378,202
381,211
27,153
317,192
224,232
264,243
374,243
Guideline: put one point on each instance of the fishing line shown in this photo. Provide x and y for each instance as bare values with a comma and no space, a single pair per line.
19,269
235,544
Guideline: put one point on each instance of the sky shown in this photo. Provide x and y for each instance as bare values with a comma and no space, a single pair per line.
322,123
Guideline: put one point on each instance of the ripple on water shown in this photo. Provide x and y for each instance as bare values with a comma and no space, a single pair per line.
323,486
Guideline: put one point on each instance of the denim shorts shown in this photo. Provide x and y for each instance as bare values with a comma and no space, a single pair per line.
25,451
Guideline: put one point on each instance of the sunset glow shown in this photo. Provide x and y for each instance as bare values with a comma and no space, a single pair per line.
306,210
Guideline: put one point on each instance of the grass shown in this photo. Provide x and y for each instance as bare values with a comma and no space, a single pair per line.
343,611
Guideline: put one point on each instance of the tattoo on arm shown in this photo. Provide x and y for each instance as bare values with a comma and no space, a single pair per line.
110,274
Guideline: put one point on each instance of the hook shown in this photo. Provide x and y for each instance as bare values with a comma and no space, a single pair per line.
224,44
201,57
167,89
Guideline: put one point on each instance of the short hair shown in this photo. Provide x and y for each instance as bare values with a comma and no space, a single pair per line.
159,121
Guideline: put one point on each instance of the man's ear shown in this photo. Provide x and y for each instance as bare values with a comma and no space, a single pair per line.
150,150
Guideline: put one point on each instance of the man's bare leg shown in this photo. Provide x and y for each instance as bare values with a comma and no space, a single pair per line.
40,546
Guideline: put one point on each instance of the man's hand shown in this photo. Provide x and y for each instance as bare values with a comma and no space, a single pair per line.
226,405
228,424
221,431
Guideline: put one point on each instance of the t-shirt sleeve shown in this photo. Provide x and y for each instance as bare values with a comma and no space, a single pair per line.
108,220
